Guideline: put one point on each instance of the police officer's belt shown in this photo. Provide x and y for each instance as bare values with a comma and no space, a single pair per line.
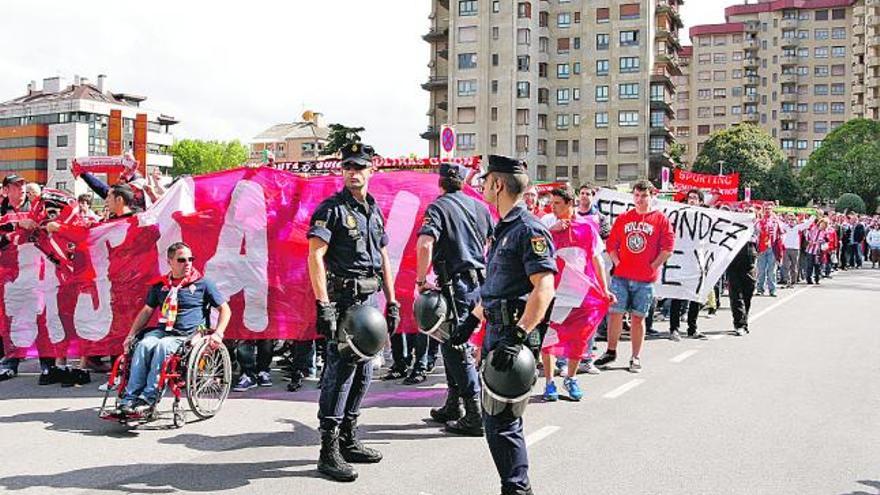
508,313
471,275
355,286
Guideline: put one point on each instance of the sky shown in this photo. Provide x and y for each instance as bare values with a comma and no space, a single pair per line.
230,69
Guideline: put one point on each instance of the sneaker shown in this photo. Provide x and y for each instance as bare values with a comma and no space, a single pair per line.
759,293
75,378
550,392
740,332
606,359
697,336
245,382
573,389
142,407
7,374
415,378
296,381
431,365
264,379
772,294
50,376
675,336
635,365
106,386
589,368
652,333
394,374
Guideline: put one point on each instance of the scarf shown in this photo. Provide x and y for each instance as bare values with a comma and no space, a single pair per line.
168,313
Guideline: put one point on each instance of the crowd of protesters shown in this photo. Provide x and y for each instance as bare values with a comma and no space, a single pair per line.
785,249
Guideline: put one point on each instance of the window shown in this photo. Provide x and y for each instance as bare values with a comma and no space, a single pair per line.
719,75
704,112
494,60
543,44
493,114
628,171
524,36
467,34
576,120
704,58
601,147
524,10
466,141
704,75
629,38
658,93
467,115
719,58
522,143
602,67
562,121
820,127
820,107
602,41
820,89
838,14
563,19
628,145
522,116
704,94
562,45
838,51
493,140
61,164
542,121
736,92
719,40
494,86
543,96
523,89
735,110
601,93
576,94
602,15
542,150
562,71
683,114
467,87
627,118
838,33
703,130
562,147
522,63
601,119
821,52
61,142
803,34
802,144
562,96
717,111
629,64
658,119
467,60
576,42
657,144
737,56
787,144
496,6
576,68
61,185
821,15
542,69
838,89
629,11
467,7
820,71
601,172
838,70
719,93
838,107
629,91
543,19
801,162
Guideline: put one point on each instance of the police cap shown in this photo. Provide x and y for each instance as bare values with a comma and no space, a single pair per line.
357,155
505,165
449,171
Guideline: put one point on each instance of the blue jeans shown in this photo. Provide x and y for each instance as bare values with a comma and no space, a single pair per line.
767,271
146,364
632,296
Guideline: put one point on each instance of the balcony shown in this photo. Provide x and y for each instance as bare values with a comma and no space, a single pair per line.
751,44
664,7
859,29
444,53
431,133
751,117
788,116
750,98
858,88
788,60
660,158
752,26
751,62
436,34
858,69
443,105
662,129
788,78
858,110
791,42
788,23
789,97
752,80
435,83
788,134
858,49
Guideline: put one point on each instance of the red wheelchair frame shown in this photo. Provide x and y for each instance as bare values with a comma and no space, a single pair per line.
192,370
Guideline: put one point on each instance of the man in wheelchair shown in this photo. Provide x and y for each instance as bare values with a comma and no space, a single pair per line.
184,298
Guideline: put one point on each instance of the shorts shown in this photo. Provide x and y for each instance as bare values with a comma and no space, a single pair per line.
632,296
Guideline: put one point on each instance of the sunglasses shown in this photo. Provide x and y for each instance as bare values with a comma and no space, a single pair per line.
184,260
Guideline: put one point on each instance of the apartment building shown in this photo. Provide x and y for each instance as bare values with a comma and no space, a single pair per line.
44,130
783,65
294,141
580,90
866,59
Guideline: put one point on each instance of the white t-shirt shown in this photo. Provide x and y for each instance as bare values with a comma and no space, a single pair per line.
791,235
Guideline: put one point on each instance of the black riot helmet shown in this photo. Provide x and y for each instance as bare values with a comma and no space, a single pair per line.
431,313
511,388
363,333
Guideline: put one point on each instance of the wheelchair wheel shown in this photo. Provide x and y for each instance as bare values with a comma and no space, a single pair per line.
208,379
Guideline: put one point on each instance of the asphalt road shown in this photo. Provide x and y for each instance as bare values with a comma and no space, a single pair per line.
793,408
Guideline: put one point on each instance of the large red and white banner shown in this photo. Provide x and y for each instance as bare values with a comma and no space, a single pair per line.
247,229
718,187
380,163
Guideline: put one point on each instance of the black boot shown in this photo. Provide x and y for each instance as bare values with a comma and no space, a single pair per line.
451,410
331,462
352,449
471,424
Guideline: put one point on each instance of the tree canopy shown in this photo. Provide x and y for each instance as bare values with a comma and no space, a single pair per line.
850,202
341,137
194,156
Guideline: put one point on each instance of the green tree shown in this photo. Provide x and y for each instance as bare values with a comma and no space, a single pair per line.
847,161
194,156
782,184
677,154
850,202
340,137
743,148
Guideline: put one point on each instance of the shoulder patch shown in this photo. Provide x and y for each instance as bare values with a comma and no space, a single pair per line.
539,245
320,223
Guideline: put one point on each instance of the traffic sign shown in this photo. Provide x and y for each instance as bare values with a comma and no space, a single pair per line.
447,141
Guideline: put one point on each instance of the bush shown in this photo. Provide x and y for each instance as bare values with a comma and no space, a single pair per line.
850,202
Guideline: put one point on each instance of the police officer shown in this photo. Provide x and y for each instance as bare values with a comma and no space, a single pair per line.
453,237
515,298
348,264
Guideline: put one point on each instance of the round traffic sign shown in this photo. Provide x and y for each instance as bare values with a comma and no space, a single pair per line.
447,138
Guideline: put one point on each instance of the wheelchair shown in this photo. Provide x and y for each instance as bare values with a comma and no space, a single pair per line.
195,370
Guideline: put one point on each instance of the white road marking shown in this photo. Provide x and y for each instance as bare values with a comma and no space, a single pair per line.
775,305
541,434
626,387
684,355
717,336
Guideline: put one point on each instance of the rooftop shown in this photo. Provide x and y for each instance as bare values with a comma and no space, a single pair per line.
72,92
293,130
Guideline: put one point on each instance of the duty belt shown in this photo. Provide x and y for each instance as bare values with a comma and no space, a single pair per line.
472,275
508,313
354,287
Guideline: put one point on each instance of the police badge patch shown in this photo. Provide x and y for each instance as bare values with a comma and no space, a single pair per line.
539,245
350,221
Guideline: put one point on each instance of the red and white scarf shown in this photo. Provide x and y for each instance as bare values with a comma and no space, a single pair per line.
168,313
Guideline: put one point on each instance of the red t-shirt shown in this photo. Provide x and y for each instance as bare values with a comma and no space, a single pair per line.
638,239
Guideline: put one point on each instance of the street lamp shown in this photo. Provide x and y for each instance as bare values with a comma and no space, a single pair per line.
720,167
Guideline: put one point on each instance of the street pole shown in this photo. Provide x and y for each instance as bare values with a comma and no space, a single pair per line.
720,167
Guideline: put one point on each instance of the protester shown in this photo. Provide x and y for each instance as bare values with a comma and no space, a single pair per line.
694,197
873,240
741,279
641,241
769,233
791,240
817,247
32,191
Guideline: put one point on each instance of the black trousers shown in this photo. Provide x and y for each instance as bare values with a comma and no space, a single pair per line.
693,312
742,287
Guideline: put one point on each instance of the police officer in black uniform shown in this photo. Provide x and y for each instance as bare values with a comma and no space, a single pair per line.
454,236
348,264
516,295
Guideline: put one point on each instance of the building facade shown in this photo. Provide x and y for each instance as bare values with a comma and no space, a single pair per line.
786,66
583,91
866,62
292,142
44,130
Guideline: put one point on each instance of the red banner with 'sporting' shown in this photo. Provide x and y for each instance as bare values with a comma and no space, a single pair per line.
247,229
719,187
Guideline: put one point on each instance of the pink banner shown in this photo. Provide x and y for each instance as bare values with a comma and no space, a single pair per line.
720,187
247,229
333,164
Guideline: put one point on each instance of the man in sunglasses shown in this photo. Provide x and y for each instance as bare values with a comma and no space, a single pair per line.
184,299
348,264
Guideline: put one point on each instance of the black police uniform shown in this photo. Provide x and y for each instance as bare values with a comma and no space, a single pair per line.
522,247
460,226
